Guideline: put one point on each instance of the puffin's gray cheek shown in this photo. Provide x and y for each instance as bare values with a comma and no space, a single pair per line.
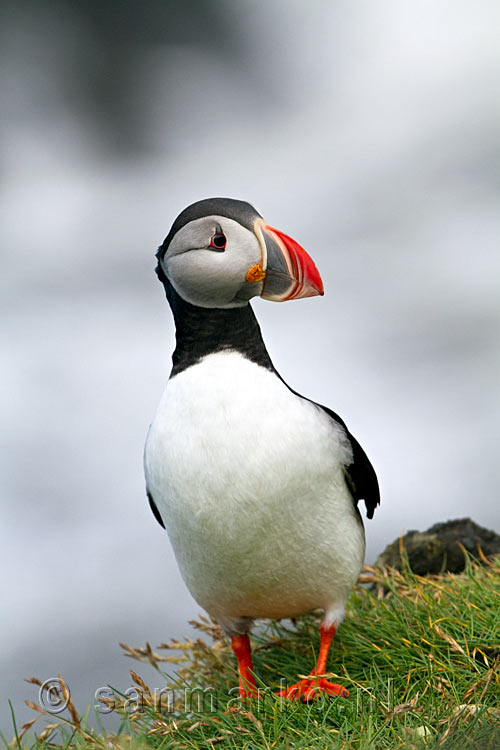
204,278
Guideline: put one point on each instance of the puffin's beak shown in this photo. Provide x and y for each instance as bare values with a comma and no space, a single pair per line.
290,271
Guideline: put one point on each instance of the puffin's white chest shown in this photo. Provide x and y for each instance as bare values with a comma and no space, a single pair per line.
248,479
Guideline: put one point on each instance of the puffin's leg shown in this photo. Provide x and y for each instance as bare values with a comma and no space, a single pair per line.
243,653
307,689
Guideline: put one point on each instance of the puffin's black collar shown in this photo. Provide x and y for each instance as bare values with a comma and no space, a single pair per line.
200,331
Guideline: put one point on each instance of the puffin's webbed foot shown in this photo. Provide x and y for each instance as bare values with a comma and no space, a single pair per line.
314,686
308,689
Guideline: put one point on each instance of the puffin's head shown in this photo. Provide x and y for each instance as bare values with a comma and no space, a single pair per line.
220,253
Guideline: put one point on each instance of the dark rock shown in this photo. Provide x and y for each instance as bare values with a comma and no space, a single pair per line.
437,550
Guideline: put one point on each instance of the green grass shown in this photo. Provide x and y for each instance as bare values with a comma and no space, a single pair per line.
420,657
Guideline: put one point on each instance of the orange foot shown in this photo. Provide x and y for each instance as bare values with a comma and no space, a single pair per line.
309,689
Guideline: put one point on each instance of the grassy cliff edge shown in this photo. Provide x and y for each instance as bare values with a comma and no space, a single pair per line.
419,655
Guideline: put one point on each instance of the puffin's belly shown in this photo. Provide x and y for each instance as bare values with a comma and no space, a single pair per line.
248,480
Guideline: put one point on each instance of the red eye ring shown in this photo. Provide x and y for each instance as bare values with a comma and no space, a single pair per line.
218,241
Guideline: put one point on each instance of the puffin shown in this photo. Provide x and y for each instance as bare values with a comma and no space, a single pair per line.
257,486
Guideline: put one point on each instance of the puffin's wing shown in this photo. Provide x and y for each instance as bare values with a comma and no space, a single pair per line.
360,475
154,508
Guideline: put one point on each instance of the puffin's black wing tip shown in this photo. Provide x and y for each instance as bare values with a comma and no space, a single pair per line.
153,506
364,478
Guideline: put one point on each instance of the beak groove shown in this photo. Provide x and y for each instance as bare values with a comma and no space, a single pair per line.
290,271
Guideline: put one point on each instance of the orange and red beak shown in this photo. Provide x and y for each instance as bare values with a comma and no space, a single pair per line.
290,271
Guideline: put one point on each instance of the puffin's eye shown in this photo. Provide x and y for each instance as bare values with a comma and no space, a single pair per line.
218,241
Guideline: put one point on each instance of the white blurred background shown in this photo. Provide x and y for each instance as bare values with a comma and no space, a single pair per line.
369,132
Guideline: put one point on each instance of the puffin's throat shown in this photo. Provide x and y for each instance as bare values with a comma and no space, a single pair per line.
200,331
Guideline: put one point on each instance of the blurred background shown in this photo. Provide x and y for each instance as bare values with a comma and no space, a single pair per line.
367,131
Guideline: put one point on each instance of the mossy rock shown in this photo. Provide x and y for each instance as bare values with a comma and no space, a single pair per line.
438,549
